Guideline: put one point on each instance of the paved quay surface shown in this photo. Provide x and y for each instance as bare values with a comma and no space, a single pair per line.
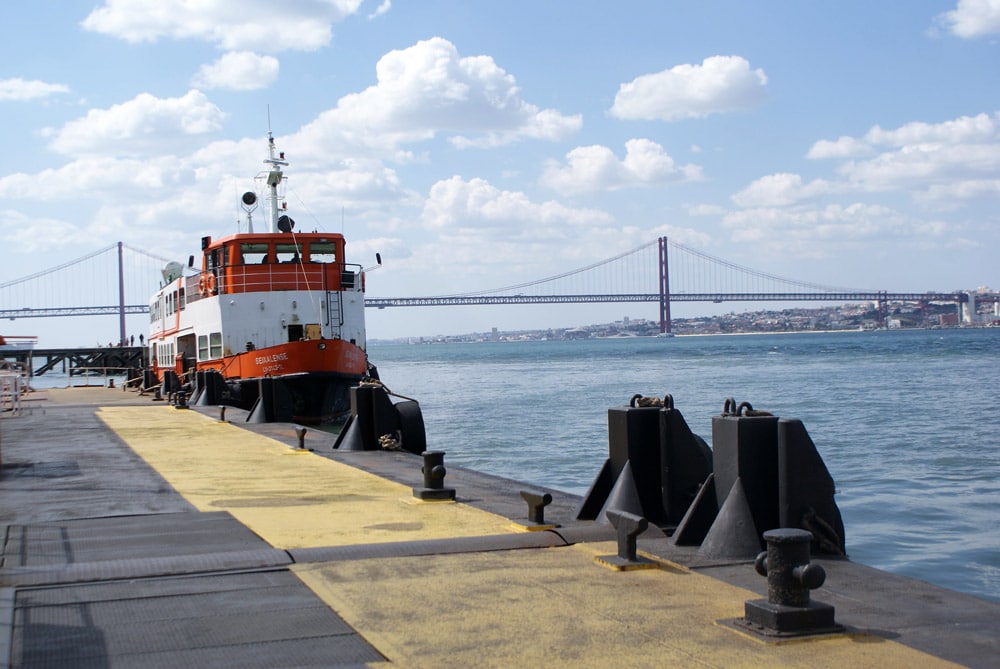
140,535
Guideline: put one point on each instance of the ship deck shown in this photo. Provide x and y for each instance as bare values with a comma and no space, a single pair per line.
138,534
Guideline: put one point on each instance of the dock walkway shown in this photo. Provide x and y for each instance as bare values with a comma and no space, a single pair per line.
140,535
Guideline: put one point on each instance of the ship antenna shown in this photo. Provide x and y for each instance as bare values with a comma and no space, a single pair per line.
274,176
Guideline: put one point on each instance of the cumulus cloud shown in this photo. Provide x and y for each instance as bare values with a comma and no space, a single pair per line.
29,234
596,168
779,190
21,90
941,166
927,160
918,156
963,130
476,203
381,9
94,176
817,231
427,89
719,84
238,71
143,125
258,25
972,18
842,147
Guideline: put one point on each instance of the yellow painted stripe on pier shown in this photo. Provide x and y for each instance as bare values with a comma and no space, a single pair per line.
292,499
555,607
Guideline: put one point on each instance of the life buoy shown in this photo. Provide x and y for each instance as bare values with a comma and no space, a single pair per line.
206,284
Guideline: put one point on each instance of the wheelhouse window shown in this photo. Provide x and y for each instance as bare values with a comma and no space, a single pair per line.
253,253
288,252
325,252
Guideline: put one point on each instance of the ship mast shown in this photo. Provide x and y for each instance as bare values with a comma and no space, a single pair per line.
274,177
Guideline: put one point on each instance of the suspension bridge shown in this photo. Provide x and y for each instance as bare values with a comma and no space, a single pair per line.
118,280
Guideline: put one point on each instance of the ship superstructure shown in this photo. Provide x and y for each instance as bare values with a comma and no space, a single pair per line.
280,305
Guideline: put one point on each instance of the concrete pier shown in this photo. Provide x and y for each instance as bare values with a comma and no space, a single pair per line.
138,534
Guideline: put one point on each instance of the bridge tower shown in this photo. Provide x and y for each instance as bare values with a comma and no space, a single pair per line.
664,288
121,297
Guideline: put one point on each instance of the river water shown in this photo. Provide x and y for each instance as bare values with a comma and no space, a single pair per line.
906,421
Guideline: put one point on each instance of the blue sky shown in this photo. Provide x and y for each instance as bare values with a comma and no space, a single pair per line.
848,143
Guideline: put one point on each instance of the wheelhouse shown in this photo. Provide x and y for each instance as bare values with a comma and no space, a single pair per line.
251,263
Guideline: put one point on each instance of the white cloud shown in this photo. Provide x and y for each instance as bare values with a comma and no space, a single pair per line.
238,71
949,161
21,90
973,18
476,203
596,168
780,190
817,232
921,156
97,177
29,234
843,147
965,129
381,9
428,89
719,84
141,126
260,25
963,190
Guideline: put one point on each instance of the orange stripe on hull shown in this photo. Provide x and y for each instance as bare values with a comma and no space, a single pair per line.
300,357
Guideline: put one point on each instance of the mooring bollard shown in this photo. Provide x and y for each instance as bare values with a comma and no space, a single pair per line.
628,526
301,434
788,611
434,473
537,501
222,414
785,563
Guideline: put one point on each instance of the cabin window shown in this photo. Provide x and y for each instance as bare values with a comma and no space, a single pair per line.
215,345
253,253
325,252
182,299
165,354
288,252
202,347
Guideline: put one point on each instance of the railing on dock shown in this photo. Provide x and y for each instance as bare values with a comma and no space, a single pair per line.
12,386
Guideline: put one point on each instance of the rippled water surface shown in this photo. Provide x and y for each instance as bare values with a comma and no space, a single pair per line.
907,422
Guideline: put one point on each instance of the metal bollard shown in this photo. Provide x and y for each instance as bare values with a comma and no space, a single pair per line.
786,565
537,501
222,413
788,611
301,434
434,473
628,527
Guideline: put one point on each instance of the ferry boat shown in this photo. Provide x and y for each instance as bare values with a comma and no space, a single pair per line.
279,305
